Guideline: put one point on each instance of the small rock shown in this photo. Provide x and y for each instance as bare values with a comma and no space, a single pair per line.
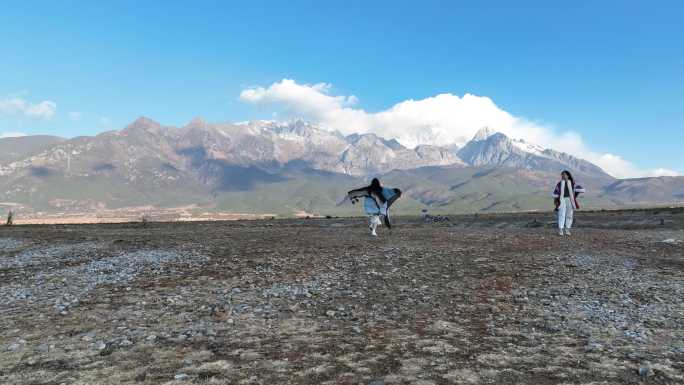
356,329
645,371
180,377
14,347
330,313
594,347
151,338
107,349
126,342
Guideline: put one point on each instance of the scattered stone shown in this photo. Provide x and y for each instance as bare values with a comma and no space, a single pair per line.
14,347
531,301
72,283
107,350
10,244
594,347
645,371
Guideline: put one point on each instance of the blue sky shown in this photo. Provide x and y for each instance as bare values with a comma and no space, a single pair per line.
609,71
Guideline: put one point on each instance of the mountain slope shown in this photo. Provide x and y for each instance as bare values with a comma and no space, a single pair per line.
662,189
16,148
473,189
283,168
490,148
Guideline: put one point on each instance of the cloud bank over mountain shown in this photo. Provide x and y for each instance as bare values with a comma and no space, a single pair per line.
440,120
16,105
11,134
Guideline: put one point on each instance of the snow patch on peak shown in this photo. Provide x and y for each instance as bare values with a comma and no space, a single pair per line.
529,147
483,133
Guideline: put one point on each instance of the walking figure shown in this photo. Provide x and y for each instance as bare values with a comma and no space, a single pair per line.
565,199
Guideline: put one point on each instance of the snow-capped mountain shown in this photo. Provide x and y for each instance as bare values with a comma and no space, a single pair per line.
294,163
271,144
490,148
158,154
148,156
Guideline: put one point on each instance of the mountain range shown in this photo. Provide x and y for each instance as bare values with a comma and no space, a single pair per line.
294,166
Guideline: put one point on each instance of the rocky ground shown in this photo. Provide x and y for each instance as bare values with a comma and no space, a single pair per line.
494,299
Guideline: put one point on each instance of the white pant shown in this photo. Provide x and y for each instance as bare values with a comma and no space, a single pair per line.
374,223
565,212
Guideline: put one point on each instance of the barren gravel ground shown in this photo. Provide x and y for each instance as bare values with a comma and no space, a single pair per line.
496,299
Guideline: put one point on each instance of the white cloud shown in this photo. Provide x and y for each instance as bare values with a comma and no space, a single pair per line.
11,134
444,118
663,172
441,119
75,116
17,105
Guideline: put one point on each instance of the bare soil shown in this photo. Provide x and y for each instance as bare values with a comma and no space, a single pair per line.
486,299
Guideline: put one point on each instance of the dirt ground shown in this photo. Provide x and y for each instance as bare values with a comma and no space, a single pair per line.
486,299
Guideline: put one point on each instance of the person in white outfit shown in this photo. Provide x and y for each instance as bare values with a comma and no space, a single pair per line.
565,198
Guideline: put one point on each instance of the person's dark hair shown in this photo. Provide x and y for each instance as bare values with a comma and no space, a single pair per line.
376,189
566,172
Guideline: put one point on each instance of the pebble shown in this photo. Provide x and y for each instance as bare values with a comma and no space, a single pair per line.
70,284
14,347
671,241
594,347
180,376
645,371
